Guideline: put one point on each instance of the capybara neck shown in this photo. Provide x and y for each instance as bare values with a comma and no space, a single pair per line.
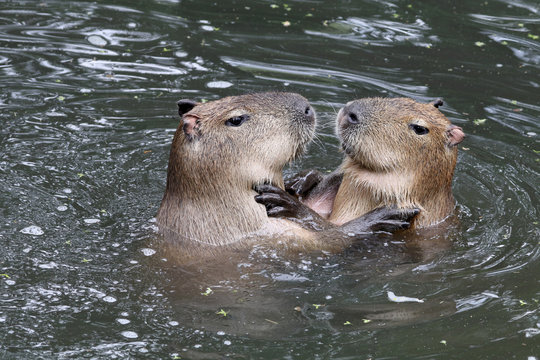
363,190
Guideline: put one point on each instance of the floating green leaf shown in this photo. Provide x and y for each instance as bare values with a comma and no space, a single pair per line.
274,6
347,323
286,23
222,312
479,121
534,37
5,276
61,98
365,321
480,44
207,292
317,306
443,342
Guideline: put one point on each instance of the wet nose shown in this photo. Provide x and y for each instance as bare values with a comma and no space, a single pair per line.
349,115
306,110
352,117
309,113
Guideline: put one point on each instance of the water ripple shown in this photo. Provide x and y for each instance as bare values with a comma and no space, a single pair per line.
320,77
130,67
377,32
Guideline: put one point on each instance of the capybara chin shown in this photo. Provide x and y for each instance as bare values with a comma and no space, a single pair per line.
398,152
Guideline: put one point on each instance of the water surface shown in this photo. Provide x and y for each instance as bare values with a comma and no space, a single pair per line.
88,114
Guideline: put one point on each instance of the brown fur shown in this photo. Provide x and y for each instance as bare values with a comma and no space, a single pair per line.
209,198
209,211
387,163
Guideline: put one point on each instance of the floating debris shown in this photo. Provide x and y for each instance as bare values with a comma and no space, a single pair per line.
129,334
97,40
207,292
479,121
109,299
219,84
392,297
91,221
32,230
148,252
222,312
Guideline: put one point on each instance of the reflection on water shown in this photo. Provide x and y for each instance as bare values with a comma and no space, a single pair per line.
88,113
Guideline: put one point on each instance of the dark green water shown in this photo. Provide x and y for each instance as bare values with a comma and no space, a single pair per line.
87,99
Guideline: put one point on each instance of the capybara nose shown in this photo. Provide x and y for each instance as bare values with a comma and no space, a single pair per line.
309,113
352,117
306,110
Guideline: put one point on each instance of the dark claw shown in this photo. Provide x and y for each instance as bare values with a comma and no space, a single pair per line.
267,188
279,203
391,226
277,211
271,199
302,183
382,219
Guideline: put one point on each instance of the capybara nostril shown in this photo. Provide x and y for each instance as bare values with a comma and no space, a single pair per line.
352,118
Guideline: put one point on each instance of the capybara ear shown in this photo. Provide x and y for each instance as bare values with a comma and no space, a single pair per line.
185,105
190,125
437,103
455,135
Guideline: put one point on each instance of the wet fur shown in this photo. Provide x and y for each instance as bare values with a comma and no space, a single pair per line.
386,163
211,175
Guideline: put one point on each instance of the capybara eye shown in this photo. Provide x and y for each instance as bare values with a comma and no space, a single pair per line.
308,110
418,129
237,120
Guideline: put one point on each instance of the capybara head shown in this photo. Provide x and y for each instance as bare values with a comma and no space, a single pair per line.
247,138
389,134
400,152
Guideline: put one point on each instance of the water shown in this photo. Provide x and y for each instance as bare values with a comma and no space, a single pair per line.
88,112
